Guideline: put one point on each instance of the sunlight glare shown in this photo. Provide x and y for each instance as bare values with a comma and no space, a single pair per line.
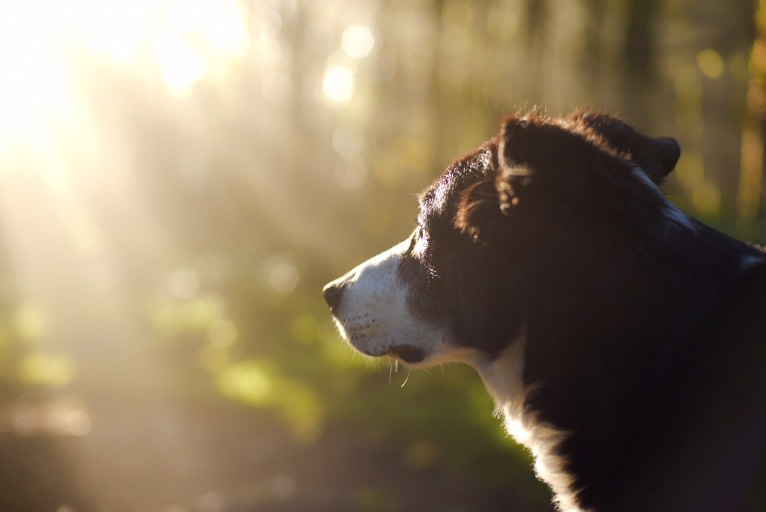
221,27
338,84
180,64
36,81
116,29
40,38
193,35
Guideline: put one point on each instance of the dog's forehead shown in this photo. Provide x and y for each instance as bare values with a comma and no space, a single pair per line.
460,174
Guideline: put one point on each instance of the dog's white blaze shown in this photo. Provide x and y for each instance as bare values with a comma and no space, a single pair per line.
373,315
503,378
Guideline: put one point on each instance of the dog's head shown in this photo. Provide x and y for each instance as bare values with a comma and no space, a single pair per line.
485,259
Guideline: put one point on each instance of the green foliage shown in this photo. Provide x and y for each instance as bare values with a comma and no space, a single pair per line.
295,365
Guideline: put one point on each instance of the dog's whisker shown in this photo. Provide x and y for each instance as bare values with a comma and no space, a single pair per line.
406,379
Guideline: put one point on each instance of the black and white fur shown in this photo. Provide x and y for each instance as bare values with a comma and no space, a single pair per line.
622,340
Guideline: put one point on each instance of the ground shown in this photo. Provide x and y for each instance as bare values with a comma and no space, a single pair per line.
207,456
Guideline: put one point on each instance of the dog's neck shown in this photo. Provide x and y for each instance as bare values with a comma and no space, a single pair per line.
503,377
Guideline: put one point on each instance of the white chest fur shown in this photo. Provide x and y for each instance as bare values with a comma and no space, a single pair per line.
504,379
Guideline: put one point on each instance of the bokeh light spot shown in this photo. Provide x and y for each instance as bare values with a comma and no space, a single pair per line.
46,369
247,381
283,276
358,41
338,84
30,322
710,63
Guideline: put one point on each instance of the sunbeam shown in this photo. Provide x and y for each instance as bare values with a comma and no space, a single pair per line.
77,234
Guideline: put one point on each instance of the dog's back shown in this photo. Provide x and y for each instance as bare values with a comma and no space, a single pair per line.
709,452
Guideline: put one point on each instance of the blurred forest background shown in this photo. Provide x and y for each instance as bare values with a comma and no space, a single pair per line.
178,179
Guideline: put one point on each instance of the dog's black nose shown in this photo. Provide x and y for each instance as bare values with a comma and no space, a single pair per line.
332,295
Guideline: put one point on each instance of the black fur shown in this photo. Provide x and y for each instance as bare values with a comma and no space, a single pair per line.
643,326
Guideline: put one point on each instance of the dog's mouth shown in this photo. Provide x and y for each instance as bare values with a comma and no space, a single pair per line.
407,353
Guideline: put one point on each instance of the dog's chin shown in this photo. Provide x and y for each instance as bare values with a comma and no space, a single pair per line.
407,353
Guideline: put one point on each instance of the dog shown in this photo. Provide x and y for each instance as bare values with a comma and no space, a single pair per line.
622,340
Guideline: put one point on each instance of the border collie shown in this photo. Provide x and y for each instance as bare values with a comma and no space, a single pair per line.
621,339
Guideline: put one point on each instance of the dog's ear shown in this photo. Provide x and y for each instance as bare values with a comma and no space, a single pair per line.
518,144
657,156
518,153
484,206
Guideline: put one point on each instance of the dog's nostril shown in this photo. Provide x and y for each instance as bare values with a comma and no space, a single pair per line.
332,294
